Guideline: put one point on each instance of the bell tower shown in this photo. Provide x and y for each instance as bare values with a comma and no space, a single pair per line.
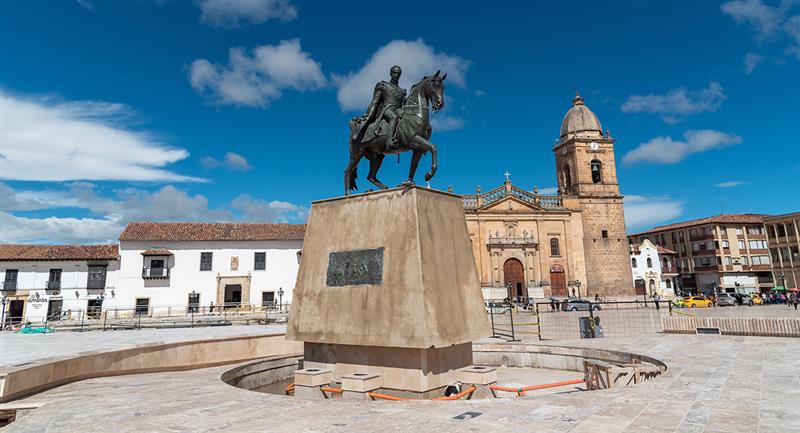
586,169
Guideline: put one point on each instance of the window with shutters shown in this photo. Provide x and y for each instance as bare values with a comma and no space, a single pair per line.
205,261
260,261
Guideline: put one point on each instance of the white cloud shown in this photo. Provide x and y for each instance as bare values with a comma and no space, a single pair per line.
86,4
665,150
729,184
548,191
677,103
49,140
768,22
647,211
751,60
233,13
415,57
257,79
257,210
108,214
232,161
57,229
442,122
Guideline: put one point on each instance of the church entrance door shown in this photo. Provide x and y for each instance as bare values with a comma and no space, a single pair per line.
558,281
514,276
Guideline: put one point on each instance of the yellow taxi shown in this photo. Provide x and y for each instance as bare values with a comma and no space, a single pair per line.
756,299
696,301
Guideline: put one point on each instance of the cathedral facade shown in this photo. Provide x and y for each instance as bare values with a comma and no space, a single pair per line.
571,244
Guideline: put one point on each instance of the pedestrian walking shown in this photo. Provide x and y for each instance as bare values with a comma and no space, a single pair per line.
211,307
656,299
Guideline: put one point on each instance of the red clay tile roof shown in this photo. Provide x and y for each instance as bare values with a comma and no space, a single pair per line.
163,231
157,252
19,252
662,250
746,218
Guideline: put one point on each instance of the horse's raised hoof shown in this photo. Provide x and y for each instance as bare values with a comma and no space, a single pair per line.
428,176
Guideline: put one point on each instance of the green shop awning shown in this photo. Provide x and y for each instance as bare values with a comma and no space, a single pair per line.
779,289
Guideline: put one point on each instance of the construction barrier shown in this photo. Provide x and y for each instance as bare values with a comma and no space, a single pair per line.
521,390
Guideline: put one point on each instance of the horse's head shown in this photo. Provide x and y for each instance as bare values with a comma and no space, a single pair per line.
433,87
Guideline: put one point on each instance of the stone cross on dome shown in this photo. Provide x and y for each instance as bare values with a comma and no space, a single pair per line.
507,174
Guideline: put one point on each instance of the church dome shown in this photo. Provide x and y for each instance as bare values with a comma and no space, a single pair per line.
580,118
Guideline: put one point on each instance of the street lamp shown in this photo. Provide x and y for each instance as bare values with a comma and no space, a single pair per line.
280,297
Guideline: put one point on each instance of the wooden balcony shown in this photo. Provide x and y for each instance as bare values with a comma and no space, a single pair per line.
155,273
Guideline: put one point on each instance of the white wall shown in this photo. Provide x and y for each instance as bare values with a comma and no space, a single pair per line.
185,275
646,273
32,283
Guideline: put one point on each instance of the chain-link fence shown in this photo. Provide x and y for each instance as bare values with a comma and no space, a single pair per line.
577,318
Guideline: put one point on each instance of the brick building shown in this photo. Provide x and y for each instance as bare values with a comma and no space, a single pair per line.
728,253
784,246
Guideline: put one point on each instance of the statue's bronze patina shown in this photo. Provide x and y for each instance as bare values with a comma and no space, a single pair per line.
373,135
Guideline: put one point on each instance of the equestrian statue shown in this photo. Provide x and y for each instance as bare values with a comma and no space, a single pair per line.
394,124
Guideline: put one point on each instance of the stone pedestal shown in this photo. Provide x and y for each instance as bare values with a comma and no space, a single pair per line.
387,285
481,377
308,381
356,386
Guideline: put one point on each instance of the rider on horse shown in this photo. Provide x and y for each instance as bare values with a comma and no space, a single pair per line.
387,99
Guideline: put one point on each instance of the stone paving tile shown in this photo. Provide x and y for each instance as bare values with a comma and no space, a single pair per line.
714,386
21,348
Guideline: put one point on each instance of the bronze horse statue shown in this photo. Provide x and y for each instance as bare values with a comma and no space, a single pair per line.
413,133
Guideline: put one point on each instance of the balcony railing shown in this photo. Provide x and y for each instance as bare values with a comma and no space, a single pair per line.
53,285
476,201
155,273
9,286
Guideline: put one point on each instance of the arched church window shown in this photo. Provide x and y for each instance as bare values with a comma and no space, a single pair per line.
555,251
649,262
567,176
633,262
597,169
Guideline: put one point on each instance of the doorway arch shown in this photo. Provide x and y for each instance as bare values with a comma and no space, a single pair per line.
558,281
514,277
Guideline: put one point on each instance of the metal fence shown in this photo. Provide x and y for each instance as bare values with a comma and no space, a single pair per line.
572,319
174,316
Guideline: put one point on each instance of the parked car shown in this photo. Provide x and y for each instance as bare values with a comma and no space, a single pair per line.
727,299
742,299
575,304
756,299
696,301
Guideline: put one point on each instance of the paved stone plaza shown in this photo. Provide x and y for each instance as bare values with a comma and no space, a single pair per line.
713,384
22,348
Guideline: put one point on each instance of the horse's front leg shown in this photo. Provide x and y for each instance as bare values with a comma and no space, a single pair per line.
375,165
427,146
416,155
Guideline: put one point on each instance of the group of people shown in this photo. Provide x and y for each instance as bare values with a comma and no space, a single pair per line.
792,299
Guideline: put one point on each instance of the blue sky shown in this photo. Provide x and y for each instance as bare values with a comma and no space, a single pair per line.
217,111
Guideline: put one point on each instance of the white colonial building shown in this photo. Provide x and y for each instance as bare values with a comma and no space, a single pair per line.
192,266
55,281
654,270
